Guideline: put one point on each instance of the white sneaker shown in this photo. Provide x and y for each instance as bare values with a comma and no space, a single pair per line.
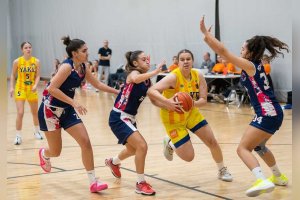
18,140
38,136
224,175
259,187
168,151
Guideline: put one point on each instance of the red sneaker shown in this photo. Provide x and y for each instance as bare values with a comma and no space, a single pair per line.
115,169
44,163
144,188
98,186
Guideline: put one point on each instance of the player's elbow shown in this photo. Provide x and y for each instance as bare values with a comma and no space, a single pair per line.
150,94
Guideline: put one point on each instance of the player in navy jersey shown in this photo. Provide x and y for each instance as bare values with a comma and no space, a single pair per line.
57,109
268,113
122,118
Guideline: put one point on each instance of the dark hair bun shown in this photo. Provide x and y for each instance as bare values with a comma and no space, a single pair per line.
66,40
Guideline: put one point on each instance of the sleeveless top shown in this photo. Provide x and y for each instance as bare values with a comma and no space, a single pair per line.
68,87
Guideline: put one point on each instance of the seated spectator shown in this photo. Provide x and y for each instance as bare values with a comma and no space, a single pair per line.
219,89
223,67
84,83
266,63
219,66
228,67
56,67
116,80
207,63
174,65
95,64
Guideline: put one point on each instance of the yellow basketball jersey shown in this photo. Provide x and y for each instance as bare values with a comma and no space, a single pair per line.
26,73
182,85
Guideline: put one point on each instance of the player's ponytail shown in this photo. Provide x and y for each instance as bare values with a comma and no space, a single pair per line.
258,44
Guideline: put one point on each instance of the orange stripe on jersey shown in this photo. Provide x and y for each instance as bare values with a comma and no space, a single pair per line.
172,117
181,117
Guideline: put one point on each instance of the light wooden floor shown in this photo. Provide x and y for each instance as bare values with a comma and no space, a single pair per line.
171,180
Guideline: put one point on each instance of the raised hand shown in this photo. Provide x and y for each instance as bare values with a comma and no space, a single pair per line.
159,66
202,26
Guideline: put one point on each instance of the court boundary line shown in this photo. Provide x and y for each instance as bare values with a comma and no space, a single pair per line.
127,169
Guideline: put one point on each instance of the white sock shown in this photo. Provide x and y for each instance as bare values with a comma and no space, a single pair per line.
37,129
257,172
116,160
172,145
220,165
276,171
140,178
18,133
43,154
91,176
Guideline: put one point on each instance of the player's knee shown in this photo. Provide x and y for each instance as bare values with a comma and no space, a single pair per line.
20,113
261,149
189,157
142,147
86,144
239,150
212,143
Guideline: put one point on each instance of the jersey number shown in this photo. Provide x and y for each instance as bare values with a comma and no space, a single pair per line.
266,81
77,117
27,76
257,119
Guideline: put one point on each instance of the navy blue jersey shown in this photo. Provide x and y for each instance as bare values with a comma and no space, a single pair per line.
261,94
131,96
68,87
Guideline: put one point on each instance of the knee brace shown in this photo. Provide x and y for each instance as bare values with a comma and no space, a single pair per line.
261,149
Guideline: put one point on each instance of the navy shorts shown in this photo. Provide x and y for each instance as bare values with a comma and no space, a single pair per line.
267,123
53,118
122,125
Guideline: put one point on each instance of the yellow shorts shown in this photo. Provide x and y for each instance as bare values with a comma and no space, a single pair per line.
178,129
29,95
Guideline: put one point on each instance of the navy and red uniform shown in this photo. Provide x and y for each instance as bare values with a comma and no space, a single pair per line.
268,112
122,117
55,114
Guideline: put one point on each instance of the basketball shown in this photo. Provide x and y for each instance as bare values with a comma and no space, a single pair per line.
186,101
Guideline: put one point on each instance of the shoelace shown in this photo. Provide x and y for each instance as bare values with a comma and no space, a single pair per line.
224,171
147,185
170,150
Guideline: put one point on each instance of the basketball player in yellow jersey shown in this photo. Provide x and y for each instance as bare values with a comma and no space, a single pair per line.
185,79
27,71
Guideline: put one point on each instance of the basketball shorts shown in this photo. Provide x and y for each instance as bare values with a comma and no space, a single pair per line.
266,123
178,131
122,125
53,118
29,95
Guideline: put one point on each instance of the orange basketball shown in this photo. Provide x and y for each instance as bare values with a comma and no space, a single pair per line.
186,101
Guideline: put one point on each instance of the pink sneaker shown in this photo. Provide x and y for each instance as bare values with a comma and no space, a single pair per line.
97,186
144,188
44,163
115,169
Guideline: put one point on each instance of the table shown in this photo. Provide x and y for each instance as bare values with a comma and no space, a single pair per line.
210,77
227,78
